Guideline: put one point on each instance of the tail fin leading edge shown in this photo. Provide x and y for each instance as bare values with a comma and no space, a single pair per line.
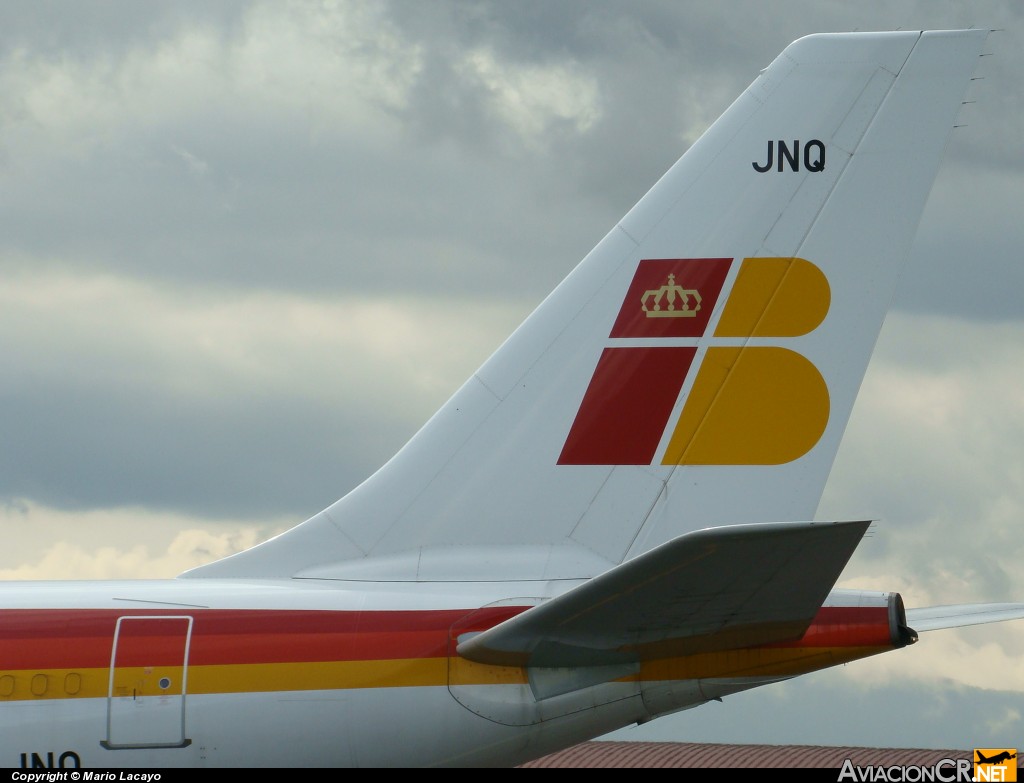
699,366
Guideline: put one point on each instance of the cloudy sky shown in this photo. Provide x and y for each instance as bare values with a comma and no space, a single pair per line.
246,249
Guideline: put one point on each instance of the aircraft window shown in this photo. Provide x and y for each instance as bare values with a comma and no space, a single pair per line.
40,683
72,683
6,685
165,683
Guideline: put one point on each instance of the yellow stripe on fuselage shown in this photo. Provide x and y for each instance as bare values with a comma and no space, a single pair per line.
393,673
253,678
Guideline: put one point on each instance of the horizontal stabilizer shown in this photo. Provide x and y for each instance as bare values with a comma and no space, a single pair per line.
934,618
715,589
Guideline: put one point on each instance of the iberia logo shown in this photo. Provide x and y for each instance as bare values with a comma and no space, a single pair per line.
998,764
746,404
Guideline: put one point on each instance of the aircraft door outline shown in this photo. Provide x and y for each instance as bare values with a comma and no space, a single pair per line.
148,682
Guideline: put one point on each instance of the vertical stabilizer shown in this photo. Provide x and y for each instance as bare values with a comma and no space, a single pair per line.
699,366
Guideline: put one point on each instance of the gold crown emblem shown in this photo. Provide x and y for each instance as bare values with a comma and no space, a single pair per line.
669,293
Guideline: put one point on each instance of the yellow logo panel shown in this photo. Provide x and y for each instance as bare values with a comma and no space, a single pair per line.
775,297
750,406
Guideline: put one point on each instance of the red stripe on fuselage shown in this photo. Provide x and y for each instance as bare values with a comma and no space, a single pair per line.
69,638
846,626
61,638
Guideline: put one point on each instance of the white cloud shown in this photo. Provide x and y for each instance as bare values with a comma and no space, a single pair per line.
119,543
343,66
124,335
986,657
1002,720
195,165
532,98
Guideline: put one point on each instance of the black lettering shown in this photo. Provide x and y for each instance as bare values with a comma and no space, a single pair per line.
813,156
768,164
792,156
817,162
69,755
37,762
24,761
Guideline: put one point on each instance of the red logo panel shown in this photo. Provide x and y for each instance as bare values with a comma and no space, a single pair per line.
626,407
671,297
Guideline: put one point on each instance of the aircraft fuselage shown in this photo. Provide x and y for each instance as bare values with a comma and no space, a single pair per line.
317,673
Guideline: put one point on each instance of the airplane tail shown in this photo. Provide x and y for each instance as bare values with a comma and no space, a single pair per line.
697,369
